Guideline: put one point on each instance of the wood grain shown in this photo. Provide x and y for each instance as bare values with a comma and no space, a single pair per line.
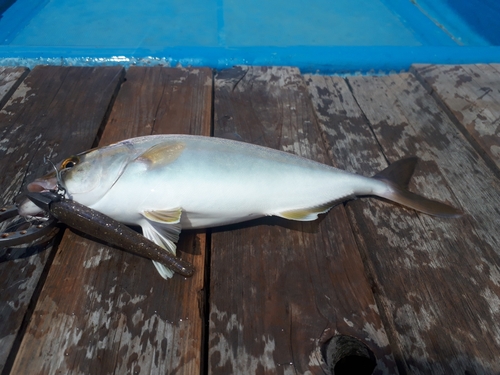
280,289
437,279
471,94
10,79
423,293
103,311
48,115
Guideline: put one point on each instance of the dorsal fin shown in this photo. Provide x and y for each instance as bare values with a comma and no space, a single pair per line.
399,172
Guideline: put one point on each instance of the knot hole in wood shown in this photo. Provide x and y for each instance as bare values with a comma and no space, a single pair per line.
346,355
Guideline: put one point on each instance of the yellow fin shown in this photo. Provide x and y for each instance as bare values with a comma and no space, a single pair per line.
162,154
306,214
172,216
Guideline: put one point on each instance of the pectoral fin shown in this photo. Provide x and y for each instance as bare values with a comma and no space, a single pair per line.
163,228
171,216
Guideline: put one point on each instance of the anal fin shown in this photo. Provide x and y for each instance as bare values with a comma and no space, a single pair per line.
306,214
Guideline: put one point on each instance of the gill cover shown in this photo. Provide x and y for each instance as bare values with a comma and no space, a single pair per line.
88,176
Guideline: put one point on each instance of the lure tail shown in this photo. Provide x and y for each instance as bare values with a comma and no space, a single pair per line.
397,176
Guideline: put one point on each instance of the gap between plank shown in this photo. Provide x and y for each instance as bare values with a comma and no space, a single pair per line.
368,266
107,113
205,310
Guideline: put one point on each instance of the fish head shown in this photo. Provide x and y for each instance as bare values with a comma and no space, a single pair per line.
86,177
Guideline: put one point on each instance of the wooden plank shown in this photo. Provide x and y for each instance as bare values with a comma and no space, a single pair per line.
10,79
281,289
102,310
53,111
437,280
471,94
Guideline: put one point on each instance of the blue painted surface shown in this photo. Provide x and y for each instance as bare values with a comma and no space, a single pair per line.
318,35
471,22
222,23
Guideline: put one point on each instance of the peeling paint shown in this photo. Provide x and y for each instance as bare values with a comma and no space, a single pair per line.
240,360
493,270
316,358
377,336
21,95
233,323
102,255
11,190
495,150
208,81
348,322
492,299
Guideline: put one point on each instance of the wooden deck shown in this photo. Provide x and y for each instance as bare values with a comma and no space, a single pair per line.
422,293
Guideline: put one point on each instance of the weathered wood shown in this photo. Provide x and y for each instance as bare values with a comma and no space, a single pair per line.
437,280
104,311
281,289
53,111
10,79
471,94
160,101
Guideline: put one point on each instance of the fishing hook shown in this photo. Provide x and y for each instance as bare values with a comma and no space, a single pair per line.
60,188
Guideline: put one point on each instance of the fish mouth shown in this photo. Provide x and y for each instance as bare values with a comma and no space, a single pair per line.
41,186
26,208
29,210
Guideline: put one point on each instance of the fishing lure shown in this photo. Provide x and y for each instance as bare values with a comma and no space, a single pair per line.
102,227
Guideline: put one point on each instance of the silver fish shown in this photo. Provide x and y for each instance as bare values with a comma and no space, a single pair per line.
166,183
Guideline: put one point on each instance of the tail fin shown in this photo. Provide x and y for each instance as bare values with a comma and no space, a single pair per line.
397,176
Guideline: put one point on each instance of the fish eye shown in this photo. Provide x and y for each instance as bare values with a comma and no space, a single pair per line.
69,162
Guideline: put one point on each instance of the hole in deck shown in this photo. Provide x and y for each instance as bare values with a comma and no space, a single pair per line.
345,355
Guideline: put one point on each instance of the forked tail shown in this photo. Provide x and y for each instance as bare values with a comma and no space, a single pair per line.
397,176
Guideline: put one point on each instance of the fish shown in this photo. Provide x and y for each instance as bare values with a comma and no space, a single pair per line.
168,183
